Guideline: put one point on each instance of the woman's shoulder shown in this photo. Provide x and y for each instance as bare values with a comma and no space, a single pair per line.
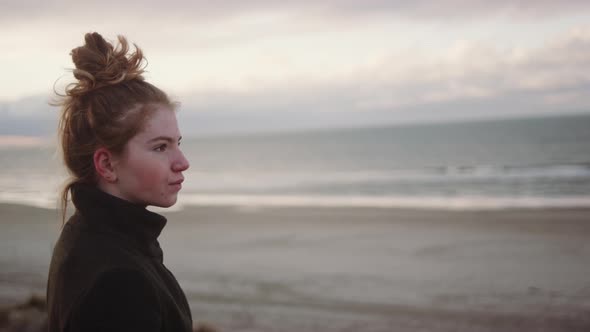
121,281
81,253
89,240
120,298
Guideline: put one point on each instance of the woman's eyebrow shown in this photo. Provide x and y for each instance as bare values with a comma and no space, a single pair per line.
164,138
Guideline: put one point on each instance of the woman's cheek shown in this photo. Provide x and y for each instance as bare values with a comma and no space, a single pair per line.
153,177
150,175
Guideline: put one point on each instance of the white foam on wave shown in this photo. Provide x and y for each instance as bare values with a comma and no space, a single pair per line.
41,200
223,181
49,201
444,203
13,141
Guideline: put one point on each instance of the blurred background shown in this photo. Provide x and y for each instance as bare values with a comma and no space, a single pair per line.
355,165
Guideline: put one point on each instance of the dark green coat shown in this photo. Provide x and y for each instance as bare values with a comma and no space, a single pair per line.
107,271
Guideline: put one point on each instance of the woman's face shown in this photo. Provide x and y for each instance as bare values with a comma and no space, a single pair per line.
149,171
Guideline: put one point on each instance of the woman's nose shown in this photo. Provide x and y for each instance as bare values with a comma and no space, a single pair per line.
180,164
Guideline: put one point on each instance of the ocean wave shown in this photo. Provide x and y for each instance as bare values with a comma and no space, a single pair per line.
464,202
229,182
44,200
423,202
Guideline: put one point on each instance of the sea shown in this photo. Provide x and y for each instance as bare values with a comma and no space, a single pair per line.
254,267
535,162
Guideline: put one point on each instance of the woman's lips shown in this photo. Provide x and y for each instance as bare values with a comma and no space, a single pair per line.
177,185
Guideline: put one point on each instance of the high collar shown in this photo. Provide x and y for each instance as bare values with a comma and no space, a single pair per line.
130,220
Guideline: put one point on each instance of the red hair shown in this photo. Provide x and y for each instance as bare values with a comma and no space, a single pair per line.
105,107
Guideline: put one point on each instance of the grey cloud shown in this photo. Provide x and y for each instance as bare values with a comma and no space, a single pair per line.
215,119
30,116
549,80
204,10
544,81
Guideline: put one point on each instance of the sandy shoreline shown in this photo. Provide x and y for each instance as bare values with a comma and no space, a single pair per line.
362,269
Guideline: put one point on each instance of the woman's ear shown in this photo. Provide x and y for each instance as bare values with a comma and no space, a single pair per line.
104,165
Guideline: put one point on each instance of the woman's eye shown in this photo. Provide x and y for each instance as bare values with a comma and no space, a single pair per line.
160,148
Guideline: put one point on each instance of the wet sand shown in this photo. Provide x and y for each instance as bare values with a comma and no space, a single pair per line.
352,269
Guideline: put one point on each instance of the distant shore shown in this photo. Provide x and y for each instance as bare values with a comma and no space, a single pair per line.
361,269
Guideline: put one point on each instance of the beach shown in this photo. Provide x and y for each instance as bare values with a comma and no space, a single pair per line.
351,269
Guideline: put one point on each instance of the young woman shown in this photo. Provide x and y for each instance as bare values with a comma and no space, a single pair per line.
120,142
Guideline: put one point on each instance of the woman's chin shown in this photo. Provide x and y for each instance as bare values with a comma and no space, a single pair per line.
166,204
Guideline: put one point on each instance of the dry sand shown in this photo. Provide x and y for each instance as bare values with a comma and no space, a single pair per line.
352,269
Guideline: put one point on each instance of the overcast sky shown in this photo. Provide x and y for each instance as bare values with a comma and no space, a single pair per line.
233,64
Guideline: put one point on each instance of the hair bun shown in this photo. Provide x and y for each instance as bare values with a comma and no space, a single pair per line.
99,64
